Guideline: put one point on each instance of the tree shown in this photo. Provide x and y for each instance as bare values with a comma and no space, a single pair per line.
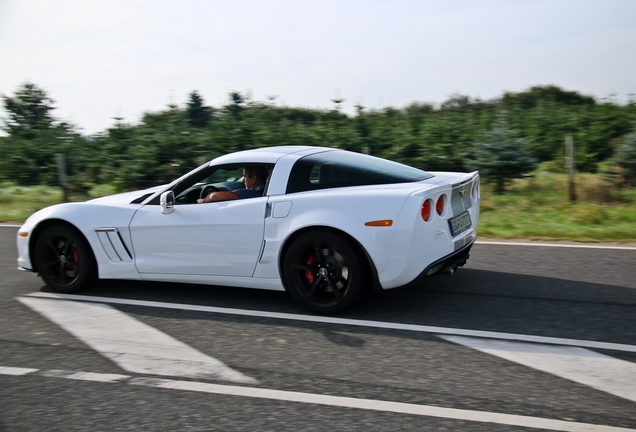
198,114
502,156
626,158
531,98
29,111
35,137
237,105
459,102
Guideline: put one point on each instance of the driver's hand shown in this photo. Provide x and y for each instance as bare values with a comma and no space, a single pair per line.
200,200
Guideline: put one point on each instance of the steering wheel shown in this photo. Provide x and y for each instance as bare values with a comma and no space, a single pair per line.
206,190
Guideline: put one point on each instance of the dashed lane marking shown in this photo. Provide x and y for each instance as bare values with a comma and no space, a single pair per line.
16,371
85,376
326,400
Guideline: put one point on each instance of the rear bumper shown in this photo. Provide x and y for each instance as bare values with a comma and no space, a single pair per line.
447,264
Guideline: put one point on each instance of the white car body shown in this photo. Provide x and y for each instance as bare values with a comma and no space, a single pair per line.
242,242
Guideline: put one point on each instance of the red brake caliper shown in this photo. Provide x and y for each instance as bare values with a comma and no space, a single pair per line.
76,261
309,275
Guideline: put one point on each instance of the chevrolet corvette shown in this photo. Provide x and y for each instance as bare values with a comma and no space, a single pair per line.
328,226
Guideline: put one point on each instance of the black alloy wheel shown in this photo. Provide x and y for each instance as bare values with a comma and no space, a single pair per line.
64,259
323,272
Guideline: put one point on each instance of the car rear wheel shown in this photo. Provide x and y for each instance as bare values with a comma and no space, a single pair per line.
64,259
323,272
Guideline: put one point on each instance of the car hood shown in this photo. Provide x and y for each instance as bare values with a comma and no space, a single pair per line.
125,197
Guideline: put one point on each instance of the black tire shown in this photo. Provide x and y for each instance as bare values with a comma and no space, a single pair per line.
64,259
323,272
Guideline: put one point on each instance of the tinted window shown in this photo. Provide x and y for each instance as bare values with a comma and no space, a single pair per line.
334,169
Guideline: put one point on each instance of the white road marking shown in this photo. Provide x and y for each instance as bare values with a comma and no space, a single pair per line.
346,321
561,357
379,405
15,371
326,400
133,345
85,376
608,374
561,245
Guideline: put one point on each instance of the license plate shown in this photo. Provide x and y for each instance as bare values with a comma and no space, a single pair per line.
460,223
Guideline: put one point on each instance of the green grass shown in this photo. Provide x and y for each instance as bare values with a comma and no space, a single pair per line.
537,208
19,202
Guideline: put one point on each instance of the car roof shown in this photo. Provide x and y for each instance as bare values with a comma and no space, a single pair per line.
267,154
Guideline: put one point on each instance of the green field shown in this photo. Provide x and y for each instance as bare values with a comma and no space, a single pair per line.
537,208
18,202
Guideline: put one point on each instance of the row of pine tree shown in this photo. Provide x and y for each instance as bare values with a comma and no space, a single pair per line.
504,138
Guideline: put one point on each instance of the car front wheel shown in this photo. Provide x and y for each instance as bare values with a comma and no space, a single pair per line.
64,259
323,273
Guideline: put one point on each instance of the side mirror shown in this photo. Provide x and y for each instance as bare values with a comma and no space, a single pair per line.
166,200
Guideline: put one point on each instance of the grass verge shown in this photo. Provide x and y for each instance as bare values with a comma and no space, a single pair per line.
539,208
536,208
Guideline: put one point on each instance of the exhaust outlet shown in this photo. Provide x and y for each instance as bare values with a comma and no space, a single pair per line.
450,269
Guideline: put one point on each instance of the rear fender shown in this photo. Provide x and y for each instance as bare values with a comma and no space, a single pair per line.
349,217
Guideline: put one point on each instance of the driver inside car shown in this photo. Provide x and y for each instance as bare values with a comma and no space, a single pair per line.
254,178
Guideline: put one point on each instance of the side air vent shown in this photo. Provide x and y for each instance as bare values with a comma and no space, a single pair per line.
113,245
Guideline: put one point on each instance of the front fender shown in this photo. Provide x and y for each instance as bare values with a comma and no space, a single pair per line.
86,217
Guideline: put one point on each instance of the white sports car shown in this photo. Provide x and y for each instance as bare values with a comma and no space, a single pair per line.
329,225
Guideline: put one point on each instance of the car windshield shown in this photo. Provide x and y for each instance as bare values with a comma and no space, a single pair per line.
339,169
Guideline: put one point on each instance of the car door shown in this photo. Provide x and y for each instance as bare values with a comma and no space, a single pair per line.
218,239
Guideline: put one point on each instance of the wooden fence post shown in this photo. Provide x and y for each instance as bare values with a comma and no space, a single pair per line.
569,162
61,174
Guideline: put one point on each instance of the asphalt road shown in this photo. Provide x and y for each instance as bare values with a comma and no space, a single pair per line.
552,347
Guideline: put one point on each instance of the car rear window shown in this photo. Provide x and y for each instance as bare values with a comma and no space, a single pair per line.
333,169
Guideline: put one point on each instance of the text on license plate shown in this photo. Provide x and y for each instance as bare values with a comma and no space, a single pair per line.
460,223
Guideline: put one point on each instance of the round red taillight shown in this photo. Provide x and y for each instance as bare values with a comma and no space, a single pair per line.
439,207
426,210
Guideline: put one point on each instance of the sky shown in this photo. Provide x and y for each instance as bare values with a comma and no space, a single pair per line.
101,59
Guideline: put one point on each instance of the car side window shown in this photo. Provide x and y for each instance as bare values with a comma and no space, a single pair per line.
221,178
341,169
